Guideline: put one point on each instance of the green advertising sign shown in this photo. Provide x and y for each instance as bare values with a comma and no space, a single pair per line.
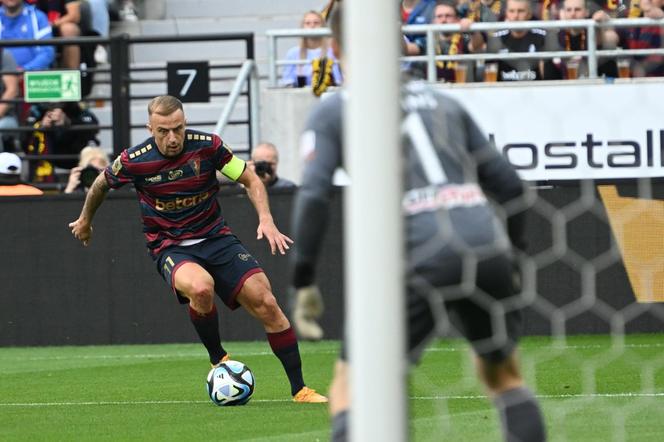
52,86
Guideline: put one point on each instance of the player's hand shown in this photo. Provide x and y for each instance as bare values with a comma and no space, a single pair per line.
276,239
308,308
82,231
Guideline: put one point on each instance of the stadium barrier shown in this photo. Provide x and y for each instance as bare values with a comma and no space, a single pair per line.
592,53
56,292
191,83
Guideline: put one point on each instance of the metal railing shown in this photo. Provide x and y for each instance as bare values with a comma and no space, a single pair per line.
121,73
248,75
592,53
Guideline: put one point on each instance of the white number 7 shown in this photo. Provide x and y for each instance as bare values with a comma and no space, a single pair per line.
191,73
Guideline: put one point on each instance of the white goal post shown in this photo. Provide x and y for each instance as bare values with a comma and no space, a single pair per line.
373,264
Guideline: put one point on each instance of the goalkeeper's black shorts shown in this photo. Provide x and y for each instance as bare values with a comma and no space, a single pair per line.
476,301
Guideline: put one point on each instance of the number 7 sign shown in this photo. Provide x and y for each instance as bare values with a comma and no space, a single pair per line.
189,81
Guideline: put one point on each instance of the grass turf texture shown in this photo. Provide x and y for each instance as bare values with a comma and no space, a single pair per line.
591,389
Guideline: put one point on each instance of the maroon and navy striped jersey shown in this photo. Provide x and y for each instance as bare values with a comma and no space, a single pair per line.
177,195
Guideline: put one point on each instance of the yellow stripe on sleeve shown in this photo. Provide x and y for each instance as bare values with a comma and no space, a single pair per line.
234,168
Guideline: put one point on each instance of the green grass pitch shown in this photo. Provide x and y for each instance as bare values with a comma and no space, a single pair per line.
592,388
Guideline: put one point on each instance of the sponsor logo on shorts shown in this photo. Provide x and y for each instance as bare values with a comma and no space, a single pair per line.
244,256
181,203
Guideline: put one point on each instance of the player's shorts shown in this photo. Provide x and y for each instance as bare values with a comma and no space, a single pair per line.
484,311
223,257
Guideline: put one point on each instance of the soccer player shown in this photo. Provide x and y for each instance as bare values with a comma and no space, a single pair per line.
459,264
174,174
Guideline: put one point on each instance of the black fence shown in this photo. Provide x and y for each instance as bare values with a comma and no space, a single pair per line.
120,74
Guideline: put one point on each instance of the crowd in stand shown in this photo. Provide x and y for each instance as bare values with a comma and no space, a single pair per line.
314,65
59,128
466,12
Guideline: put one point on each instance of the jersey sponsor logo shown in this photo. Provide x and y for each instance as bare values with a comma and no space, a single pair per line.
180,203
175,174
431,198
154,179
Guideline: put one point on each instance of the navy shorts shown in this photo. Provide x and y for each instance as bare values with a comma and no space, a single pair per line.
223,257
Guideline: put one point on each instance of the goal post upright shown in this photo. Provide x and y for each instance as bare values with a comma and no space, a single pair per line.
373,220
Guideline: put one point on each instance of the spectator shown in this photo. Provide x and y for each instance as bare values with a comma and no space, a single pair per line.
645,37
450,43
482,10
54,135
19,21
518,41
10,177
575,40
415,12
310,49
92,161
9,88
66,19
265,161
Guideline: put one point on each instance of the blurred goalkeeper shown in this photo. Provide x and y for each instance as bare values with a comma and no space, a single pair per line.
460,261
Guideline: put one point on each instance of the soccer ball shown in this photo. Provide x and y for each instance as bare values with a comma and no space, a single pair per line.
231,383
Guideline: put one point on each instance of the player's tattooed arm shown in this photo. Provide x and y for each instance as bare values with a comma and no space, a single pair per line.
82,227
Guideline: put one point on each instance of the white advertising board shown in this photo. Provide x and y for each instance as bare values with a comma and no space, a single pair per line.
574,131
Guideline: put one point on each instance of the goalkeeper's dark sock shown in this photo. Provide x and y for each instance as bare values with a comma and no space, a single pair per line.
340,426
284,345
520,416
207,327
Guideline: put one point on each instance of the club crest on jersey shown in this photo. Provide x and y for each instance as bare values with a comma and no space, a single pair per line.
195,165
175,174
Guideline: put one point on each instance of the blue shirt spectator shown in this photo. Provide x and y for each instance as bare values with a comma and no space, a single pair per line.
19,21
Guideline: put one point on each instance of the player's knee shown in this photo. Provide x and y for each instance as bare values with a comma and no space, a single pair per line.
201,293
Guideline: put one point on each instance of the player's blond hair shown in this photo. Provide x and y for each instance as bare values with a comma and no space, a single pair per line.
164,105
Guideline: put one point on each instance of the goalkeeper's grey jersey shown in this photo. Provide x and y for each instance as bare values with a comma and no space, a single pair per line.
449,164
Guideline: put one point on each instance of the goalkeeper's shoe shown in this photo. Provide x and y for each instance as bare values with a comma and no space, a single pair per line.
225,358
309,395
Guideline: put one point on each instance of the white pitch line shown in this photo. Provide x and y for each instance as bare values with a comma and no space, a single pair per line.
308,351
418,398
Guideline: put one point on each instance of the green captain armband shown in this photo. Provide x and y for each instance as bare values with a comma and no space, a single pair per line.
234,168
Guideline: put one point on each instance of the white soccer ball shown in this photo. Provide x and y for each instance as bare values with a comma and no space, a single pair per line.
231,383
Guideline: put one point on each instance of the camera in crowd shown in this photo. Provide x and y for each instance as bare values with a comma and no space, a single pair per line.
263,168
89,175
